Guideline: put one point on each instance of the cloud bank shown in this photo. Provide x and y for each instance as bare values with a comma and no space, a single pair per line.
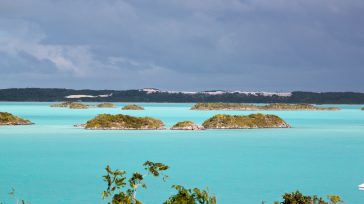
278,45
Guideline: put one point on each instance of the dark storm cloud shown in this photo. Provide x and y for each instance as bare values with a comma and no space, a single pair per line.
179,44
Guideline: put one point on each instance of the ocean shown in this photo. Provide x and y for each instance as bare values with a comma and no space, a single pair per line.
54,162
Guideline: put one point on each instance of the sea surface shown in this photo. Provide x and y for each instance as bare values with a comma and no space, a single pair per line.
54,162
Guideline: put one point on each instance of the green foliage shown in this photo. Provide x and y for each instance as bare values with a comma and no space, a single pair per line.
71,105
335,199
183,124
123,191
78,106
285,106
120,121
273,106
298,198
187,125
115,181
155,168
61,105
132,107
190,196
223,106
105,105
10,119
249,121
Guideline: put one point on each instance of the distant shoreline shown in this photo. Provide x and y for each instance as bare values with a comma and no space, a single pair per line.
96,102
158,96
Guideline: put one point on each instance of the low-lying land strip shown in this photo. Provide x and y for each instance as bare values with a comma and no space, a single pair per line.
105,105
187,125
258,120
253,107
132,107
10,119
71,105
78,105
123,122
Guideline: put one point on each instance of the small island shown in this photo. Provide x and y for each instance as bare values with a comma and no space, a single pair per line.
362,108
186,125
253,107
105,105
71,105
222,121
10,119
123,122
132,107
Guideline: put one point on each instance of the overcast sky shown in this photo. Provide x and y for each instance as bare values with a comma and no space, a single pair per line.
273,45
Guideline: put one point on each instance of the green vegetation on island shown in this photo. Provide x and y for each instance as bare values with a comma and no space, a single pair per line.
61,105
78,106
71,105
222,121
10,119
105,105
186,125
132,107
253,107
123,122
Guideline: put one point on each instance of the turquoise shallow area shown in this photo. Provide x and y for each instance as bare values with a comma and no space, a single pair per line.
53,162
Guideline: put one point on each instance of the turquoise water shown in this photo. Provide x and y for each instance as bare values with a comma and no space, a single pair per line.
53,162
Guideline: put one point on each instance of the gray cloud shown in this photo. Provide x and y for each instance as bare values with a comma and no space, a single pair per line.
179,44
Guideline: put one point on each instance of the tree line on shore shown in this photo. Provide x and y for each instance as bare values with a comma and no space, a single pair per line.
48,94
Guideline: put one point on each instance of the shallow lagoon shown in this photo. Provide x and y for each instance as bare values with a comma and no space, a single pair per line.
53,162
